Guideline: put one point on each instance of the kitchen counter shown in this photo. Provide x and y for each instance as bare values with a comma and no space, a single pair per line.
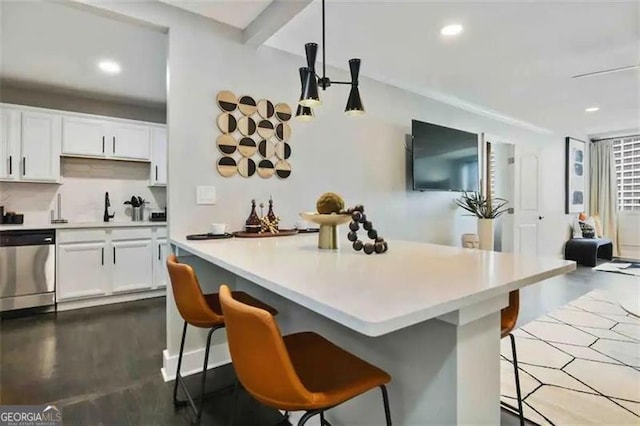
80,225
427,314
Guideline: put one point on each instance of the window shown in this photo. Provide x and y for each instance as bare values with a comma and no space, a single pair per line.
627,156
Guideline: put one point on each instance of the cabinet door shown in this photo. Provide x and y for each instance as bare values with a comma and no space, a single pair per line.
83,136
82,271
158,156
9,143
130,141
160,274
132,265
41,135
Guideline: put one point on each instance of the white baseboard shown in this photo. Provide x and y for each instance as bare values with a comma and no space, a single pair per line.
192,361
107,300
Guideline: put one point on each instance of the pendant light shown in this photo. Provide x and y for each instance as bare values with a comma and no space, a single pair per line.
304,113
311,81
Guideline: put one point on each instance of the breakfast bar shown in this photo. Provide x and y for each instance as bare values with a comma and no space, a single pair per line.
427,314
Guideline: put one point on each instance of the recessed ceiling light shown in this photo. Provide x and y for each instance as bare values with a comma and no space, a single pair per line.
109,67
592,109
451,30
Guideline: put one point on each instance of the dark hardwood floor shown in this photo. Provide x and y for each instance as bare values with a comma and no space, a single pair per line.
102,365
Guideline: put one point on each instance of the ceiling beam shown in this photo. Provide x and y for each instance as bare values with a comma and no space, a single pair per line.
270,20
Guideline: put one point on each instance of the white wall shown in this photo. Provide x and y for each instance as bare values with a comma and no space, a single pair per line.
84,183
361,158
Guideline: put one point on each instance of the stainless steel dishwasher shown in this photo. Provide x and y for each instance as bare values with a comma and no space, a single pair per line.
27,269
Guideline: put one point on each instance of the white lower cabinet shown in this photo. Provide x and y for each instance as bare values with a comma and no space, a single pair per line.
132,265
81,271
110,262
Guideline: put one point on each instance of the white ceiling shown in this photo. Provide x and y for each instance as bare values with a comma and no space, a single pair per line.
58,45
514,59
237,13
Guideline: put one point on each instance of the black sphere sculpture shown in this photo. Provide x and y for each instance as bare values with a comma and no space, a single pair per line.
378,246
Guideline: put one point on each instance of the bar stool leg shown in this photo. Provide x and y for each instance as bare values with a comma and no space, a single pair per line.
204,375
307,416
177,403
517,375
385,399
323,421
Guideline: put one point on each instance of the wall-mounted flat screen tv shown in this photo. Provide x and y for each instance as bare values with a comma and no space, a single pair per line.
444,159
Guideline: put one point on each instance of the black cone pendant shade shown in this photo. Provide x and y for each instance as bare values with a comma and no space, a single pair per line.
310,96
304,113
354,103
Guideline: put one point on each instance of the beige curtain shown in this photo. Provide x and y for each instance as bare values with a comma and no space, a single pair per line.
604,189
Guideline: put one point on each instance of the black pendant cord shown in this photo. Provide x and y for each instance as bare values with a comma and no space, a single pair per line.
324,56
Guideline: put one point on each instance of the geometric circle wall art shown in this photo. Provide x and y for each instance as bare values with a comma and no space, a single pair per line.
227,144
247,147
227,101
283,150
265,108
247,126
247,105
283,131
283,112
283,169
265,129
246,167
265,169
227,166
266,149
227,123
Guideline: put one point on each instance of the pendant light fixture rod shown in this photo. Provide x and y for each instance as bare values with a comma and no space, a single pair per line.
324,56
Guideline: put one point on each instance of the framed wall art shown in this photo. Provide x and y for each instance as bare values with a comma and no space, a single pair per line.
575,175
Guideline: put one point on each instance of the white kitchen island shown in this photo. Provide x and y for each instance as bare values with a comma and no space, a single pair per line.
427,314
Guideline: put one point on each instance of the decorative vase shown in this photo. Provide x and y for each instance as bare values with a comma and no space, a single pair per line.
485,232
328,235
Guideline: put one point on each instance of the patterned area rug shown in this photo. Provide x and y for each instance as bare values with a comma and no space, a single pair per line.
579,365
620,267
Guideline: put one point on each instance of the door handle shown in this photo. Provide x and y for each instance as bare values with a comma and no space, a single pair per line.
24,166
540,217
114,255
10,165
102,255
103,144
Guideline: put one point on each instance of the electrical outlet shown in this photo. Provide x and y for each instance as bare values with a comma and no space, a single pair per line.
205,195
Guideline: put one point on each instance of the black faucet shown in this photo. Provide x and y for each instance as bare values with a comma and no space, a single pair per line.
107,204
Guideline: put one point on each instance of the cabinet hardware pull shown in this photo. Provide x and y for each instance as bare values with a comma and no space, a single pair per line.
114,144
24,166
103,144
10,165
114,255
156,174
159,252
102,255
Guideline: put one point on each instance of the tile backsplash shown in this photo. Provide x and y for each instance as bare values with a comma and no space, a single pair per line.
84,182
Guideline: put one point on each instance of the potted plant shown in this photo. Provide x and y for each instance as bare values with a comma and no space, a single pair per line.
485,210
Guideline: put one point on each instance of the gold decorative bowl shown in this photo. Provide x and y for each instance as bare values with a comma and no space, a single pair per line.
328,236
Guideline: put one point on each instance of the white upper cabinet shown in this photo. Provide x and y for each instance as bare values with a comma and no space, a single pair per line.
9,143
83,136
130,141
158,156
40,146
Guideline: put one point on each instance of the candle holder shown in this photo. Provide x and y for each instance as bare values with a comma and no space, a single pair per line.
328,235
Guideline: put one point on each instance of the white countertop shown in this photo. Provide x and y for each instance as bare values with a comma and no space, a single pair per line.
80,225
375,294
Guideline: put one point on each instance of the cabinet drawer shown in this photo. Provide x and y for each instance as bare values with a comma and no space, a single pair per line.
131,233
80,235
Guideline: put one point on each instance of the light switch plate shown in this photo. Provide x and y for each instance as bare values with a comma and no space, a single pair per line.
206,195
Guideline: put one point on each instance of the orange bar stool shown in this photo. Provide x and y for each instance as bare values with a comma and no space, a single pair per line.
199,310
301,371
508,319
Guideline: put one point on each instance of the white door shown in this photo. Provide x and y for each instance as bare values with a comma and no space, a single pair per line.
130,141
158,156
160,275
83,136
132,265
82,271
9,143
527,217
41,134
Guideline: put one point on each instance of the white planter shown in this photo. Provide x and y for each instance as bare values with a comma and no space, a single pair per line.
485,232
